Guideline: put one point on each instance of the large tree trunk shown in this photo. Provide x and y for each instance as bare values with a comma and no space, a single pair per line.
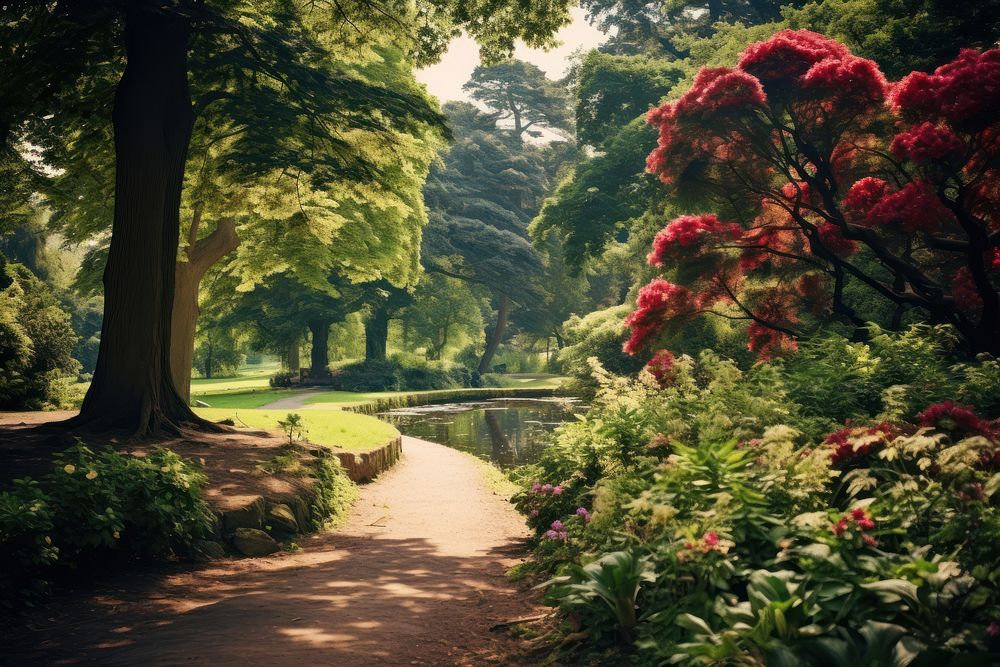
319,355
201,255
292,356
377,334
132,386
496,335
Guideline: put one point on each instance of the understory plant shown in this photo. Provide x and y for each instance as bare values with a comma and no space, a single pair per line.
706,516
94,505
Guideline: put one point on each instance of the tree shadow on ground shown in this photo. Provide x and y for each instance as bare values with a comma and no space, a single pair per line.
345,600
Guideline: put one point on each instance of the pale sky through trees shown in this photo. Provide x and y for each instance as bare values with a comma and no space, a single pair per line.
445,79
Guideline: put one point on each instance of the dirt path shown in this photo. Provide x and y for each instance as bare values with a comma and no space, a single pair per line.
415,578
294,401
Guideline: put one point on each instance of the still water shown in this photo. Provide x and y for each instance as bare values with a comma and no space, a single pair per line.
508,432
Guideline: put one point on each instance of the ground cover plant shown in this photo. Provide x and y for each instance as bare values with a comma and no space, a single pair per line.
95,505
703,514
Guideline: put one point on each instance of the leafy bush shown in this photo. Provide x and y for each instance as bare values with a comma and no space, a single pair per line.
26,537
36,343
96,504
334,492
711,517
283,380
403,373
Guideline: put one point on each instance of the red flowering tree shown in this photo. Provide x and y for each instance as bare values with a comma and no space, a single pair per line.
831,174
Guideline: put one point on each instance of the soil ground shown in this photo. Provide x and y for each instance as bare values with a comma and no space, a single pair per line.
416,577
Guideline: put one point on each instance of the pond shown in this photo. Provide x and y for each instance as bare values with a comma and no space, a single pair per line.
506,431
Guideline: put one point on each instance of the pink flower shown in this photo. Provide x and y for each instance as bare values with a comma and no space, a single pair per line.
711,539
546,488
557,490
536,487
583,513
557,525
534,513
993,629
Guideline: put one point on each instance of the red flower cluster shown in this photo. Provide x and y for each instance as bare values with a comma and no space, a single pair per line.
787,55
658,301
863,196
661,367
914,206
813,288
964,92
926,141
718,88
768,343
686,231
949,416
847,77
831,236
859,518
845,442
965,292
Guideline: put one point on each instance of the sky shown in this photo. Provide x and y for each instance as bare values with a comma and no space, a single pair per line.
444,80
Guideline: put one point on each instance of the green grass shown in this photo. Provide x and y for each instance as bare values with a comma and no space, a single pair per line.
226,394
332,428
247,400
250,377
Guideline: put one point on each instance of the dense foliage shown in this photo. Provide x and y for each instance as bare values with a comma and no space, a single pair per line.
701,514
36,342
800,135
96,505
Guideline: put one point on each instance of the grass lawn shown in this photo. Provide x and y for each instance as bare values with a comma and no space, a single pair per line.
250,377
333,427
227,394
245,400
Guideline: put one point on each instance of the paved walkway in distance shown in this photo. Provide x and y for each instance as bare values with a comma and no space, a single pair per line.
416,577
288,402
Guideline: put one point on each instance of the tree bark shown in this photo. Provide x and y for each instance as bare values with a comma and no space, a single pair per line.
496,335
319,355
292,356
201,255
377,334
132,387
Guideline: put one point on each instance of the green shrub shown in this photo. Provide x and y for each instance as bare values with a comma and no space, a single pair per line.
36,343
403,373
26,541
93,505
334,492
763,537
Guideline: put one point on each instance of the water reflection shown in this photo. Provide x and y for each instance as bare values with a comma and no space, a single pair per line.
508,432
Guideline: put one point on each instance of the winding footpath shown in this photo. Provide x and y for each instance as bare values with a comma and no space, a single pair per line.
416,577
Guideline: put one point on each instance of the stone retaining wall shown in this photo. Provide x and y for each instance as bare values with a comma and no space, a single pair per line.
366,466
251,528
